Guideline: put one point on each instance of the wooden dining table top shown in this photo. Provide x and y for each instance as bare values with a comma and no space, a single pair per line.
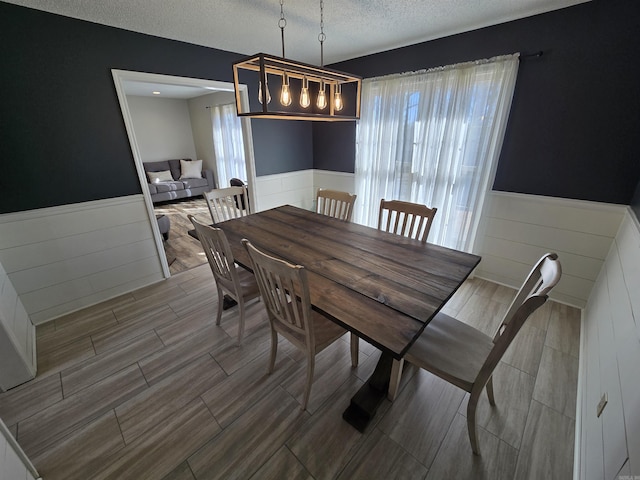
384,287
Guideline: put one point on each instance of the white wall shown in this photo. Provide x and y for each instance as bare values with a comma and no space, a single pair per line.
61,259
516,230
14,464
17,338
610,355
162,127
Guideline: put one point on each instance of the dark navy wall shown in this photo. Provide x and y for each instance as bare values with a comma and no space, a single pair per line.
575,119
63,136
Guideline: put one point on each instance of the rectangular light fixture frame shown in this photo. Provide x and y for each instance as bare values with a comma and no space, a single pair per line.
265,64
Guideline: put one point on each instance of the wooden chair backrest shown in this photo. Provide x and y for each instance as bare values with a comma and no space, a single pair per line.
219,255
334,203
225,203
532,295
408,219
285,292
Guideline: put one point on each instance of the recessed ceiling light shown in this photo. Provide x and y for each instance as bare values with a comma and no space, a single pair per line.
156,93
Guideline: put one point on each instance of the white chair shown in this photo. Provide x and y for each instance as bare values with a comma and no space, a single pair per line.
285,293
466,357
227,203
411,220
231,279
334,203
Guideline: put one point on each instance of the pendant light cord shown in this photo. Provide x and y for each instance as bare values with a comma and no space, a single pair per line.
321,36
282,23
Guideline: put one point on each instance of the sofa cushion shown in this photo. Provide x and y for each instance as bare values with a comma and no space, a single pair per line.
163,176
194,182
190,169
156,166
168,186
174,166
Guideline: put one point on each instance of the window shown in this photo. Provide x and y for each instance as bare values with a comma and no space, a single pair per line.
434,137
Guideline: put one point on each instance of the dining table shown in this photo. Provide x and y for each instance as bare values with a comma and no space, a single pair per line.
383,287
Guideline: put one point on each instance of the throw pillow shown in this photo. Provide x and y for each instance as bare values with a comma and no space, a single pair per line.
163,176
191,169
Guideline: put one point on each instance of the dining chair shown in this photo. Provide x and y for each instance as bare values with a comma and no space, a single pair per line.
411,220
285,292
335,203
466,357
223,203
230,279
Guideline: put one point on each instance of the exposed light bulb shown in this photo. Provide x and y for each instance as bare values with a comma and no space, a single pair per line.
321,102
305,99
260,92
285,91
337,98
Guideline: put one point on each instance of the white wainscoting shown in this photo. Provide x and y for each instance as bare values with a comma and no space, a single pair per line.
292,188
17,338
61,259
516,230
609,446
14,464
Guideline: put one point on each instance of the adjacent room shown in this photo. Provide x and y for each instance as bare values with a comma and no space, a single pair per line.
326,240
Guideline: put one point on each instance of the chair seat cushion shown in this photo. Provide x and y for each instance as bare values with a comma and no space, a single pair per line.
451,350
248,283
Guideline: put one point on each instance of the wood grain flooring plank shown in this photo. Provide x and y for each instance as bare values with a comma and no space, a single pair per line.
81,317
282,466
245,445
547,446
332,369
83,452
164,447
541,317
81,327
66,356
563,333
184,326
116,336
101,366
141,309
176,355
166,398
181,472
513,390
204,296
482,313
421,415
23,401
327,435
236,394
381,457
47,427
557,381
232,357
526,349
455,459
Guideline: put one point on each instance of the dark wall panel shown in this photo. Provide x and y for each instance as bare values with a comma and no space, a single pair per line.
63,136
574,121
339,153
282,146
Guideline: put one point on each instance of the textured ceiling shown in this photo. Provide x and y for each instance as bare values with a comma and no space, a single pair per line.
353,27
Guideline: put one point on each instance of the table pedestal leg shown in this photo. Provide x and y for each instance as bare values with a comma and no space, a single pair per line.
366,401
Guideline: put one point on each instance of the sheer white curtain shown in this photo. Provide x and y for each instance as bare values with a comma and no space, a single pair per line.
434,137
228,144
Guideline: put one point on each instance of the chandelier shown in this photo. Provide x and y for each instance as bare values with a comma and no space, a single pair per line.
305,92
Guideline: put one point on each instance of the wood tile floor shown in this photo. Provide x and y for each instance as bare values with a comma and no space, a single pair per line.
182,250
147,387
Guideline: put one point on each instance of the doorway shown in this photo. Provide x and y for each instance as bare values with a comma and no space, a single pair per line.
131,85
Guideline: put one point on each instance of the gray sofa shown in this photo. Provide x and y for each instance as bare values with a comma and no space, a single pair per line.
175,188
